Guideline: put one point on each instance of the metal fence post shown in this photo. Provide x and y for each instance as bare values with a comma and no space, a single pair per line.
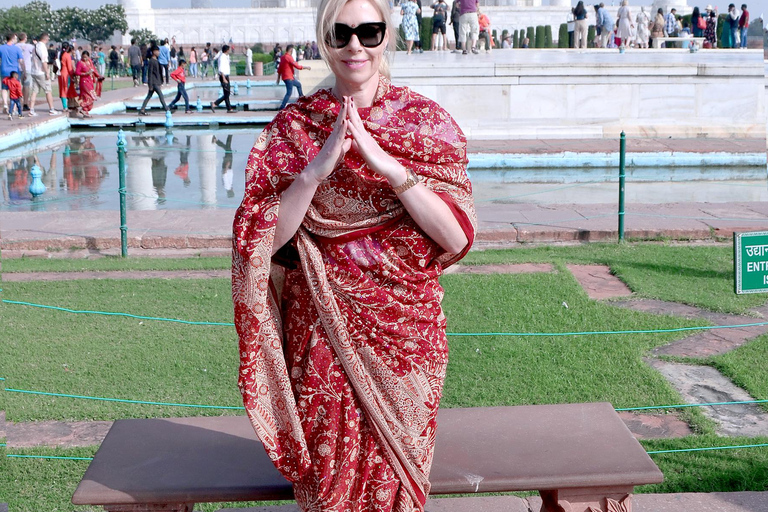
622,153
123,214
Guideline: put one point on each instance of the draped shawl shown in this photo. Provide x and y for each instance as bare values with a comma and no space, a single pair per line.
370,275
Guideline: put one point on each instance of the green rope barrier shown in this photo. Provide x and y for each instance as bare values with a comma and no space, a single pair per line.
577,333
708,449
123,400
680,406
46,457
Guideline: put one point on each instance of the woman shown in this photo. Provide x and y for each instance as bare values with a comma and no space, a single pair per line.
360,194
580,29
89,77
193,62
626,27
698,23
657,29
710,33
641,39
408,11
66,74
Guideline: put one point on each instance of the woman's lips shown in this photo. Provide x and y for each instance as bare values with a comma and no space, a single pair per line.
354,64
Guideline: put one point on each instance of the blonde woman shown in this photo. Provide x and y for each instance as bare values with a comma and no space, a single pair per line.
626,28
356,199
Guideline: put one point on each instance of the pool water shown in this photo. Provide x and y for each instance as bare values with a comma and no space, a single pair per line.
203,168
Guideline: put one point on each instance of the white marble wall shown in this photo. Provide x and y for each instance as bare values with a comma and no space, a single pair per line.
592,93
293,24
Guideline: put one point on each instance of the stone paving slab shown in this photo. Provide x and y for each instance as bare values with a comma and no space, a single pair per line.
598,281
474,504
704,384
56,433
703,343
692,502
655,426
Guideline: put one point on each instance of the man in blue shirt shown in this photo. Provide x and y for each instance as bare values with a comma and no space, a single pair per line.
164,59
605,21
11,59
670,23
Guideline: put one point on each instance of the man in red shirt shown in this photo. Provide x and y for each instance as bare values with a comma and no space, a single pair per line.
744,25
285,71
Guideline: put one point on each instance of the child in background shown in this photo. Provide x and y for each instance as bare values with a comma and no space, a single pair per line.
181,91
14,91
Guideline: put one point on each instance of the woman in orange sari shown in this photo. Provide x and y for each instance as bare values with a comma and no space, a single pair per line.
356,200
66,74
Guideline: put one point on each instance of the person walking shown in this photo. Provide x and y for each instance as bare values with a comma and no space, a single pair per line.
285,70
733,28
102,61
626,29
193,62
455,18
174,58
439,17
12,86
657,29
606,25
164,59
135,61
114,61
11,59
180,78
26,79
224,68
643,33
66,74
698,23
710,33
410,24
248,61
485,30
154,81
469,25
88,78
41,75
744,25
580,16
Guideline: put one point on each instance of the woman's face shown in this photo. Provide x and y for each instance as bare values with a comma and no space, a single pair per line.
355,65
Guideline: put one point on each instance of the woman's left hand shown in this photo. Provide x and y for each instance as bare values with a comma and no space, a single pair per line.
377,159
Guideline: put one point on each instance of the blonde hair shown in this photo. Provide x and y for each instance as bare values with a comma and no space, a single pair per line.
328,12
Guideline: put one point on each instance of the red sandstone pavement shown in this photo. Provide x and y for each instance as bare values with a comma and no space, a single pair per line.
499,224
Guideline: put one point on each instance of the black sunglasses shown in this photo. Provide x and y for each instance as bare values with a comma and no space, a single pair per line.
370,35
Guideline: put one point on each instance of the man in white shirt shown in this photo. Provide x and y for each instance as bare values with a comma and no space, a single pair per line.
26,52
224,68
249,62
39,77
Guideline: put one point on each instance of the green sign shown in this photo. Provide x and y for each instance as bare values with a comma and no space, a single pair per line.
750,261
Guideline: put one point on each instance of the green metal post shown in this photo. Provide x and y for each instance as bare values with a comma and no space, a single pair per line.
122,190
622,153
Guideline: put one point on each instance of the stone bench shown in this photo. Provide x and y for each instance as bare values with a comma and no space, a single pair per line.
576,455
658,40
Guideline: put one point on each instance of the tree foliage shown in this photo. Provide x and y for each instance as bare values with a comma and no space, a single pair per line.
143,36
36,17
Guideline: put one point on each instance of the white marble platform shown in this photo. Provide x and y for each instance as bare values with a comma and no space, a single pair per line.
557,93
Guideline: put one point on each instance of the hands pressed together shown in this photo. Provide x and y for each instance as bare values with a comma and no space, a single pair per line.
349,132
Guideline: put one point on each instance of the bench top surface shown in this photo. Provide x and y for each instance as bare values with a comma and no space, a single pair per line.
484,449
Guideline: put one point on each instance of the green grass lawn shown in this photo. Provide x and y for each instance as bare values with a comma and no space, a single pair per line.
127,358
167,362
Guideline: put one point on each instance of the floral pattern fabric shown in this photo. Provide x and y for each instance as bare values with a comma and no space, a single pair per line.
343,350
410,22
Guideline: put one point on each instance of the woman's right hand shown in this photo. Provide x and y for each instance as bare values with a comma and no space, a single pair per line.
334,148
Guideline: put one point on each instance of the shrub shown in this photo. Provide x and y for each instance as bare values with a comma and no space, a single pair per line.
262,57
426,34
562,36
541,38
516,39
548,43
591,36
531,38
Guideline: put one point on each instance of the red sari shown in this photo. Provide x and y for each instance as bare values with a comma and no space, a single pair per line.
88,75
342,371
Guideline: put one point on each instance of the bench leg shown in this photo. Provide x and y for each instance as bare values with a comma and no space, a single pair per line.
151,507
587,499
